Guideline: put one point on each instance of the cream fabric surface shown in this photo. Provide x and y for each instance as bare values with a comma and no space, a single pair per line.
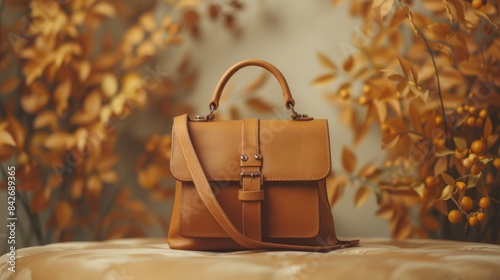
137,259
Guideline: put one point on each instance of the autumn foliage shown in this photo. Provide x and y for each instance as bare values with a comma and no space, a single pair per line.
428,78
75,75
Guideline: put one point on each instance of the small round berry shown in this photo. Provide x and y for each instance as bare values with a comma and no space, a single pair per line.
362,100
454,216
467,203
479,122
367,88
472,110
438,120
476,4
473,158
496,163
467,163
475,170
484,202
471,121
459,154
481,217
460,110
384,127
429,181
483,114
344,94
439,142
478,147
461,186
473,221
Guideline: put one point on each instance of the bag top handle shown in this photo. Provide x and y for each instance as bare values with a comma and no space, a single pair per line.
287,95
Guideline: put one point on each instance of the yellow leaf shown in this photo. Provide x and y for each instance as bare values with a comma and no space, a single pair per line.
149,177
257,83
34,100
473,180
81,135
147,21
486,17
440,29
447,192
59,140
390,142
17,130
348,160
135,206
76,188
323,80
361,196
402,229
94,185
419,188
105,9
10,85
381,109
325,61
46,118
385,212
109,84
147,48
336,186
259,105
385,6
349,63
134,35
405,66
443,151
6,139
61,95
460,143
84,70
448,179
109,177
63,214
459,10
91,109
410,19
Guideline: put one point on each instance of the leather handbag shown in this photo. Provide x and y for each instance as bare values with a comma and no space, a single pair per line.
251,184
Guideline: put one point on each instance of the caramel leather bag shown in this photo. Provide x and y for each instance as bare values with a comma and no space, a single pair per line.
251,184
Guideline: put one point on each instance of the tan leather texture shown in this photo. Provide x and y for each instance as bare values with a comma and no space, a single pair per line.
291,150
252,184
287,95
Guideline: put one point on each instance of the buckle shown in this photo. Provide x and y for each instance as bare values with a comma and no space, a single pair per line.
251,174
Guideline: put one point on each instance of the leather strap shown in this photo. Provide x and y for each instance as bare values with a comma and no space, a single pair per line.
251,163
206,195
287,95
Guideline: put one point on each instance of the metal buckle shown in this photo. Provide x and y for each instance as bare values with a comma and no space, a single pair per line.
298,117
251,174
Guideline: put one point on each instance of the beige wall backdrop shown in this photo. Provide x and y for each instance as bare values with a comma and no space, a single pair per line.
288,34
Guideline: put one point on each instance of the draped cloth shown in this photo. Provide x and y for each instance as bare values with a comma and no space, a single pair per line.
148,258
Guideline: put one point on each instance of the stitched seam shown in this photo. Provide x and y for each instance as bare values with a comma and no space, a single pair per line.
243,141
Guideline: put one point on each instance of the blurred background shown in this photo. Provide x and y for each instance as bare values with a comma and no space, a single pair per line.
88,90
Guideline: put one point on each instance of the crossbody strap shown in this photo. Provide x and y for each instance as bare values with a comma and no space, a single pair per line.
206,195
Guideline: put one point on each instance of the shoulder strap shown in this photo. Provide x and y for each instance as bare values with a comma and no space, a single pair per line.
206,195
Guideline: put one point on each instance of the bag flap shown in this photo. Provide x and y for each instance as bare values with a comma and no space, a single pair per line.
291,150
